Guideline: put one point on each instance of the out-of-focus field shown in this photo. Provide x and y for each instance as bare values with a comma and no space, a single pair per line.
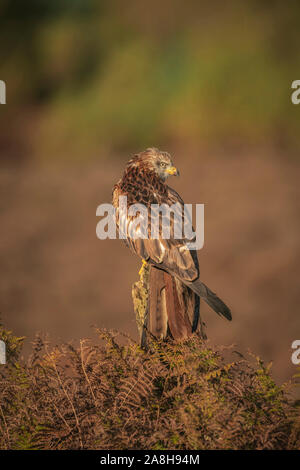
57,277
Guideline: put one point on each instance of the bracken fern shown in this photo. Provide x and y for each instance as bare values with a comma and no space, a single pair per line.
115,395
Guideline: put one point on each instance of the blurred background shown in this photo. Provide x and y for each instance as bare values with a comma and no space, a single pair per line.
89,83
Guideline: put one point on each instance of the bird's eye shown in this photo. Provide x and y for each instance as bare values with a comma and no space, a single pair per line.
163,164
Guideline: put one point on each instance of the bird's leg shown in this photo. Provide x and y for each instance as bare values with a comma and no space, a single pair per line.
144,264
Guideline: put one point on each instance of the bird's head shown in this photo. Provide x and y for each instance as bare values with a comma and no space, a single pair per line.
159,162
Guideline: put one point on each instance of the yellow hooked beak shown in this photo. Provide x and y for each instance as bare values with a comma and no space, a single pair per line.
172,171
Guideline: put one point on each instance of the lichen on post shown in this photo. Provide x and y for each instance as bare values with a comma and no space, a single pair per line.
140,296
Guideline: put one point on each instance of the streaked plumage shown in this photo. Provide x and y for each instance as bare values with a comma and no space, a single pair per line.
174,275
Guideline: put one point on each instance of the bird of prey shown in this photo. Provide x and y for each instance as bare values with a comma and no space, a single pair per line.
175,287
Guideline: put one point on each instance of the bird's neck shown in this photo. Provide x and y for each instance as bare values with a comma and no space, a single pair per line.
143,176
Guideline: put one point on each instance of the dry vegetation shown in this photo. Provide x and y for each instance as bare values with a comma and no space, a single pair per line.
114,395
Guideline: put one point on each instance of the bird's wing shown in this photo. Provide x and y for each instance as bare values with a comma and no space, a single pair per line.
169,253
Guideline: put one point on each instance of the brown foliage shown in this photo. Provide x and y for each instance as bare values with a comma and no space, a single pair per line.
117,396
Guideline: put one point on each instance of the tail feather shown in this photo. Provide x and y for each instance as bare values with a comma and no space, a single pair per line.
173,308
157,312
210,298
178,318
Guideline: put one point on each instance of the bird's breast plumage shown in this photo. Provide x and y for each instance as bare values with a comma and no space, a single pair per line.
142,187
